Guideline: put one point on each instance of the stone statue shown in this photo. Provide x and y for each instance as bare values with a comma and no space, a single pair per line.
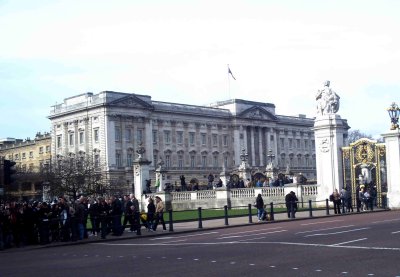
327,100
140,151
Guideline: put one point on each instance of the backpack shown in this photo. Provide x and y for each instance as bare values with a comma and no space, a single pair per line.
331,198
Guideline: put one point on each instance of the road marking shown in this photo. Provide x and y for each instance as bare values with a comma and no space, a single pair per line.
258,230
318,270
396,232
346,242
321,222
387,220
251,264
336,233
213,261
267,233
325,229
171,241
250,242
186,236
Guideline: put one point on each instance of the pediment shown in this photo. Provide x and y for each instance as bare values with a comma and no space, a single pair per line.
257,112
131,101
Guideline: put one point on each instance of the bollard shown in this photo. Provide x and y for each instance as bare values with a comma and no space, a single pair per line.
327,206
226,215
372,204
272,211
250,215
171,223
200,220
310,207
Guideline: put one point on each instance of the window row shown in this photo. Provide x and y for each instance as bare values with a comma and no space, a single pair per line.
204,139
180,162
24,155
80,139
296,143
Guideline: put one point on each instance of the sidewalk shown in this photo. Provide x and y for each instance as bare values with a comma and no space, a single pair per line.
192,226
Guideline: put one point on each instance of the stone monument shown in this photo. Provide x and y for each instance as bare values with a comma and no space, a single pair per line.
329,130
140,172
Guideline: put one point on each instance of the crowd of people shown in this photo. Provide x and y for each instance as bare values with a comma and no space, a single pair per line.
30,223
366,197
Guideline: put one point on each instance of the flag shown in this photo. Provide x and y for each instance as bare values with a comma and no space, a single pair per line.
230,72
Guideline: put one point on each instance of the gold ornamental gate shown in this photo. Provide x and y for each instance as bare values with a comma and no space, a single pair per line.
364,164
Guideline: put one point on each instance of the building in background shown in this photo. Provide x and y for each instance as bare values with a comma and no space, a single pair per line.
31,158
191,140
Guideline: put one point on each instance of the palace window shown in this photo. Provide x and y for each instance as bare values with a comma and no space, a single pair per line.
180,161
81,137
203,161
179,137
128,134
139,135
118,158
31,154
225,139
129,159
23,156
215,161
96,160
96,134
167,161
117,133
298,143
282,143
290,143
203,139
59,141
71,140
215,139
155,137
192,161
191,138
167,137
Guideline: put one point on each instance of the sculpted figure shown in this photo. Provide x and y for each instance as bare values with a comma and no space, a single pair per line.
327,100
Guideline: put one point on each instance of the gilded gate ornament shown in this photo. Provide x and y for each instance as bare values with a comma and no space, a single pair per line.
364,153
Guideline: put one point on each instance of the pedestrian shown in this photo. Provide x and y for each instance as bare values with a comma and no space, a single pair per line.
336,201
116,213
128,213
259,204
159,214
291,204
151,210
136,215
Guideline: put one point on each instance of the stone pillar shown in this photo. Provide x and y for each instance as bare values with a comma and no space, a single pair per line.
329,130
140,173
237,144
392,144
253,152
260,147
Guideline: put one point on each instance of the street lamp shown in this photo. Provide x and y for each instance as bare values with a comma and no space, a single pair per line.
394,112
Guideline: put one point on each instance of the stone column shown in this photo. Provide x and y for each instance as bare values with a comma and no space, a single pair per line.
252,141
237,144
392,144
260,147
329,130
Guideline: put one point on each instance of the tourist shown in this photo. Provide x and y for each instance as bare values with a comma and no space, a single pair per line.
336,201
151,210
259,204
291,204
159,214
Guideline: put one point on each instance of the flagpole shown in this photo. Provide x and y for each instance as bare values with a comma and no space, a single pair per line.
229,85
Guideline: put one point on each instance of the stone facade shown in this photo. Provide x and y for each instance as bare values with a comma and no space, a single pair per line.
191,140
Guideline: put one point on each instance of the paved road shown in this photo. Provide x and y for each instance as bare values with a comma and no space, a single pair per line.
354,245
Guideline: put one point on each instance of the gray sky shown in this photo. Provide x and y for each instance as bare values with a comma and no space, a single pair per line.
280,52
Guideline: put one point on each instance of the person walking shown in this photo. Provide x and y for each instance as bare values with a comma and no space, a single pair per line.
151,210
159,214
336,202
260,206
291,204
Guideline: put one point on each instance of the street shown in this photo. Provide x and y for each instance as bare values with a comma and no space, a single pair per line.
365,244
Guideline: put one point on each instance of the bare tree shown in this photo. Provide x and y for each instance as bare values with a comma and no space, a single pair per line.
76,175
355,135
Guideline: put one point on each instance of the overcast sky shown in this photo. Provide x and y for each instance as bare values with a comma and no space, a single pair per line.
280,52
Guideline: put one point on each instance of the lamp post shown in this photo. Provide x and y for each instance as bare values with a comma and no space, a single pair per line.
394,112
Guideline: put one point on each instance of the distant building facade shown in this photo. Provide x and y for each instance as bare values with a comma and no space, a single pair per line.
191,140
31,157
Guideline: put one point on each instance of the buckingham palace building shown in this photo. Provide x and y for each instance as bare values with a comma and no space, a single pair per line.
193,141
